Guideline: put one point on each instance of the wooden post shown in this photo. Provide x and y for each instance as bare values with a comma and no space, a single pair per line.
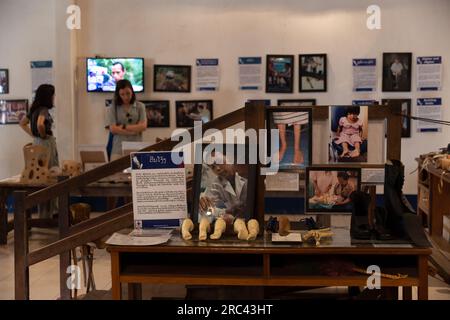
394,132
423,278
116,287
64,258
21,269
3,217
255,115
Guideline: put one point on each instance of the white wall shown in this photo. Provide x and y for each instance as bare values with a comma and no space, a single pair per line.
178,32
27,32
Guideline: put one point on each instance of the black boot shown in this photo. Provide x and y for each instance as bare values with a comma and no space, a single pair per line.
393,197
360,228
380,229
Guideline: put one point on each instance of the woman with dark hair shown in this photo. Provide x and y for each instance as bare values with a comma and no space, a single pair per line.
38,122
126,118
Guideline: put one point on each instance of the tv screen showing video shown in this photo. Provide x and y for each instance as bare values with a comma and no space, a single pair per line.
103,73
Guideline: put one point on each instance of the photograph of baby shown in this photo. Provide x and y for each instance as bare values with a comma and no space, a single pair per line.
348,134
397,72
295,131
158,113
194,110
224,186
329,189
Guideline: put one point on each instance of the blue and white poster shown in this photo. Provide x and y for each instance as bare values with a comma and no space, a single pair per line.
429,108
429,73
364,75
250,73
159,190
364,102
41,73
207,74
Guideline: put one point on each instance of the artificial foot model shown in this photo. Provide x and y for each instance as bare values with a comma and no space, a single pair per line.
204,228
284,226
219,229
253,229
186,229
240,229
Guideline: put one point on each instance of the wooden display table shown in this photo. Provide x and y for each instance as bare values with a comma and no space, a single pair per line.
261,263
433,202
110,187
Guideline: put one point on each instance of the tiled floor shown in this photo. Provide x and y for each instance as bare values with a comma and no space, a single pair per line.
44,277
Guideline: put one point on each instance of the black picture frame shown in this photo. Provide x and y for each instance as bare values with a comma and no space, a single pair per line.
406,110
279,73
284,115
267,102
12,111
171,78
4,81
186,114
316,206
312,72
296,102
158,113
203,179
397,71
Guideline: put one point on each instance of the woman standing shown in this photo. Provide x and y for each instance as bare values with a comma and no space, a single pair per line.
126,118
38,122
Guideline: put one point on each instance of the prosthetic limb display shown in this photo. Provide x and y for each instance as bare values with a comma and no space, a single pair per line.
240,229
219,229
186,229
204,229
253,229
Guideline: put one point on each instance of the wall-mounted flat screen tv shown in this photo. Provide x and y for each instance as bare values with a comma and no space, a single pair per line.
103,73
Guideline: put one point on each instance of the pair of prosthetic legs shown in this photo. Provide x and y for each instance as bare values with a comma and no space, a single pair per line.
220,226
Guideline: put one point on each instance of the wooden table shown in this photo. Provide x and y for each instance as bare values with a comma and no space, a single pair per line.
433,202
110,187
261,263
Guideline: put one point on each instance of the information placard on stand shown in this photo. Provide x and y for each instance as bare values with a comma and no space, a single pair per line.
159,190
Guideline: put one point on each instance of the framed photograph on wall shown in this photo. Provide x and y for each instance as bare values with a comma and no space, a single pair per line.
406,110
171,78
297,102
348,134
279,73
193,110
328,189
4,81
397,71
294,125
12,111
158,113
224,183
313,72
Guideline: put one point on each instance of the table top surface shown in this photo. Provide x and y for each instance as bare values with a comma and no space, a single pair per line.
339,243
116,180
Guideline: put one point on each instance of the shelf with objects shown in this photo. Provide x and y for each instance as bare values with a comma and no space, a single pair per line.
433,207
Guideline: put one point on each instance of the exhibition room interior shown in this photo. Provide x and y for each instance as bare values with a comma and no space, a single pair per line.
223,149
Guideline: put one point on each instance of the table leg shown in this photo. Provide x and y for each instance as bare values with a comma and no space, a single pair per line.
407,293
3,218
115,277
423,278
134,291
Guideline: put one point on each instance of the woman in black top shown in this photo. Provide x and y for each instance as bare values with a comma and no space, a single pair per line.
38,122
